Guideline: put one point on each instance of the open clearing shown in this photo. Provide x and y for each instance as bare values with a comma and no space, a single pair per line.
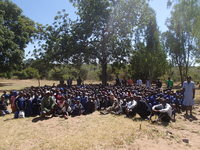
95,131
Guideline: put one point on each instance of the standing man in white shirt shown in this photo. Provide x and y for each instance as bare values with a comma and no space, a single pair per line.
189,94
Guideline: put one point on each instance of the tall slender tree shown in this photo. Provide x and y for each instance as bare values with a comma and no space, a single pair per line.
180,41
149,59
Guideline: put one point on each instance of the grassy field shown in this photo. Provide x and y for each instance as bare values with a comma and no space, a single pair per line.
21,84
94,131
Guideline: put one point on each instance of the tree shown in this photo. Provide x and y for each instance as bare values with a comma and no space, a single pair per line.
58,43
102,34
179,40
149,59
16,31
41,65
106,29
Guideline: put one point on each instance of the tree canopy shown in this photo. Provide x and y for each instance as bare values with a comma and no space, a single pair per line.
149,59
16,31
108,33
180,40
105,32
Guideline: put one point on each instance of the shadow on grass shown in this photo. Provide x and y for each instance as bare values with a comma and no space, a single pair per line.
5,84
190,117
40,119
139,119
165,124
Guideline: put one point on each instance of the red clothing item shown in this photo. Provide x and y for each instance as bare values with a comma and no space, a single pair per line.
58,97
60,103
130,82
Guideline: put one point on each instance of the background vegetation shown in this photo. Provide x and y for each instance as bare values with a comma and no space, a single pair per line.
108,39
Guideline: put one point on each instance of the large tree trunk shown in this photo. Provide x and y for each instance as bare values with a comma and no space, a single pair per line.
104,73
181,74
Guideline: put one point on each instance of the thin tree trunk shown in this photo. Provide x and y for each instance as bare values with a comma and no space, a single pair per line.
104,73
181,74
39,82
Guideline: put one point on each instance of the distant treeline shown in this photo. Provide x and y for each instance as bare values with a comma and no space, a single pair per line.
90,72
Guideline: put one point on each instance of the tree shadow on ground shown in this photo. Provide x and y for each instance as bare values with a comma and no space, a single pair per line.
40,119
5,84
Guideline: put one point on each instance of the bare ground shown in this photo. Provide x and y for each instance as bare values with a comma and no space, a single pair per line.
97,131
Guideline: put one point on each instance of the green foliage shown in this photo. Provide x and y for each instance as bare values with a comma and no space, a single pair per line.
175,75
179,40
93,71
102,34
191,10
16,31
64,72
8,75
108,27
41,65
28,73
149,59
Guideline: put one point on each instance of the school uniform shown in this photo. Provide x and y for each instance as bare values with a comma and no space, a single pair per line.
3,108
165,112
20,106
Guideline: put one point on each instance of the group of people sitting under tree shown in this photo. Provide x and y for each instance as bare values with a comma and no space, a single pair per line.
78,100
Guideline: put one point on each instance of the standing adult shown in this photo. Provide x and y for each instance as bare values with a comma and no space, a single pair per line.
169,83
189,94
69,82
158,83
148,83
79,81
117,81
139,82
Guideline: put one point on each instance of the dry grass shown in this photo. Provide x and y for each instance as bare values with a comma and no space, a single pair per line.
94,131
21,84
84,132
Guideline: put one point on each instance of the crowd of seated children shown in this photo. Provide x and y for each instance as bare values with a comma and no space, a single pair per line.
73,100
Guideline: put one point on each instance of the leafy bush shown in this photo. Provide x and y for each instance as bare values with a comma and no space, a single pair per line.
63,73
57,74
28,73
7,75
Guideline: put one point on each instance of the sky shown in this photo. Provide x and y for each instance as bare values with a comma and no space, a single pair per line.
44,11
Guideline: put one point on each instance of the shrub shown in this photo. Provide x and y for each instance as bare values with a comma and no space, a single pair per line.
28,73
63,73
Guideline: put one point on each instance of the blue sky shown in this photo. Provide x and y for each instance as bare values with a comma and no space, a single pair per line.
43,11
